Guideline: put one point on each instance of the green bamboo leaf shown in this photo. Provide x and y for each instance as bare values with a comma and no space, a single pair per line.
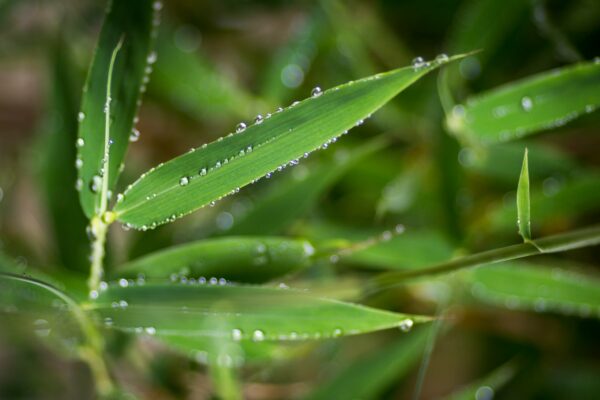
369,377
544,101
207,174
293,198
132,23
559,200
523,286
523,206
192,85
487,387
255,313
242,259
57,173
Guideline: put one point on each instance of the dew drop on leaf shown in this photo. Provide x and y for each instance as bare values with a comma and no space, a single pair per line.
184,181
526,103
134,136
80,143
405,325
316,92
241,127
258,335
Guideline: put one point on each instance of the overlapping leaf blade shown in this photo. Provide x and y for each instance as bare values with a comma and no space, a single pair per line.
197,178
255,313
242,259
543,101
132,22
368,378
524,286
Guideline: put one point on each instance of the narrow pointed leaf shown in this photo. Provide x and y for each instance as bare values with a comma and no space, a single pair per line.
369,377
241,259
544,101
197,178
132,22
256,313
488,386
523,206
524,286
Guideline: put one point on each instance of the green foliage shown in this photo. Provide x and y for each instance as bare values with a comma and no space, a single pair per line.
305,285
523,202
132,25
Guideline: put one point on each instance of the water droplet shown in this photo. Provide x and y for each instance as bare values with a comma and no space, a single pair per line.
337,332
316,92
78,163
95,183
78,184
526,103
123,304
79,142
123,282
80,116
213,281
152,57
150,330
236,335
258,335
241,127
184,181
134,136
202,172
157,6
484,393
441,58
406,325
399,229
93,294
418,62
103,286
386,236
259,119
120,197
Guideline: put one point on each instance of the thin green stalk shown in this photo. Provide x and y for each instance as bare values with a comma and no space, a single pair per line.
103,218
92,350
550,244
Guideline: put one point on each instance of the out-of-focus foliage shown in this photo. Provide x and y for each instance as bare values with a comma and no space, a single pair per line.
214,305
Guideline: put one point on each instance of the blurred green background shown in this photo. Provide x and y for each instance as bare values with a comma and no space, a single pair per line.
222,62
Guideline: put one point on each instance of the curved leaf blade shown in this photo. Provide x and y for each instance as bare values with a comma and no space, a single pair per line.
133,22
213,171
255,313
241,259
543,101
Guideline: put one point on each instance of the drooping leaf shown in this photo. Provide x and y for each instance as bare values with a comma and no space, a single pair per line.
293,198
58,174
256,313
369,377
197,178
523,286
488,386
523,202
543,101
132,23
242,259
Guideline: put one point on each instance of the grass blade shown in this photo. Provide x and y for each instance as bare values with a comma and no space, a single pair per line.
132,22
290,200
487,387
523,206
544,101
207,174
57,173
256,313
241,259
369,377
528,287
